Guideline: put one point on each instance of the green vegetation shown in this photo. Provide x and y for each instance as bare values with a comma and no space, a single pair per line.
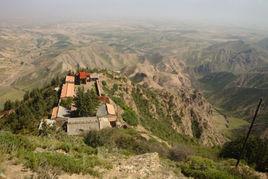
256,151
180,153
223,90
59,161
197,131
128,140
217,81
86,103
199,167
130,117
78,155
9,93
158,122
120,102
38,153
67,103
26,114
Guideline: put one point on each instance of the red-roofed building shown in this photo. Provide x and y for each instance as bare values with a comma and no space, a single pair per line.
82,77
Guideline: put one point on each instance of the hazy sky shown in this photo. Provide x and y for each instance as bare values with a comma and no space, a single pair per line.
221,11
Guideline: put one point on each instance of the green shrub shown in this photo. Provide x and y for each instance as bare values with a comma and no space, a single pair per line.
256,151
104,83
63,162
179,153
120,102
66,147
94,139
199,167
80,157
67,103
11,143
124,139
130,117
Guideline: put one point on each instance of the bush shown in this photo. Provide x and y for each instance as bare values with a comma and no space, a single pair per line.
120,102
12,143
63,162
80,158
67,103
179,153
255,151
104,83
125,139
130,117
66,147
199,167
94,139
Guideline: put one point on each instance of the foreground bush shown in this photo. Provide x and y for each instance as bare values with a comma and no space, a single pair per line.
38,153
179,153
12,143
127,139
58,161
199,167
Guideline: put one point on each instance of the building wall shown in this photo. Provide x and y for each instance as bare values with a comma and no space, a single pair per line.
82,128
104,123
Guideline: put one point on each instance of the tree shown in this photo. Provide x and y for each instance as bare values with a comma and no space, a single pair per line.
9,105
256,151
22,121
67,103
36,104
86,102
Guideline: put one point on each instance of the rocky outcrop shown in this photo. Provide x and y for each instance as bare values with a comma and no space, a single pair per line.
186,108
141,166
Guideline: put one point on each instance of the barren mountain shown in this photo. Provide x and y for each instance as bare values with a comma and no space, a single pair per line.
233,56
32,55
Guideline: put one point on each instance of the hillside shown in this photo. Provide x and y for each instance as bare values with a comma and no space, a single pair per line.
238,95
233,76
181,92
155,139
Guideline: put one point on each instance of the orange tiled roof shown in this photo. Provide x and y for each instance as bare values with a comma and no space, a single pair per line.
110,109
54,113
69,79
83,75
67,90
